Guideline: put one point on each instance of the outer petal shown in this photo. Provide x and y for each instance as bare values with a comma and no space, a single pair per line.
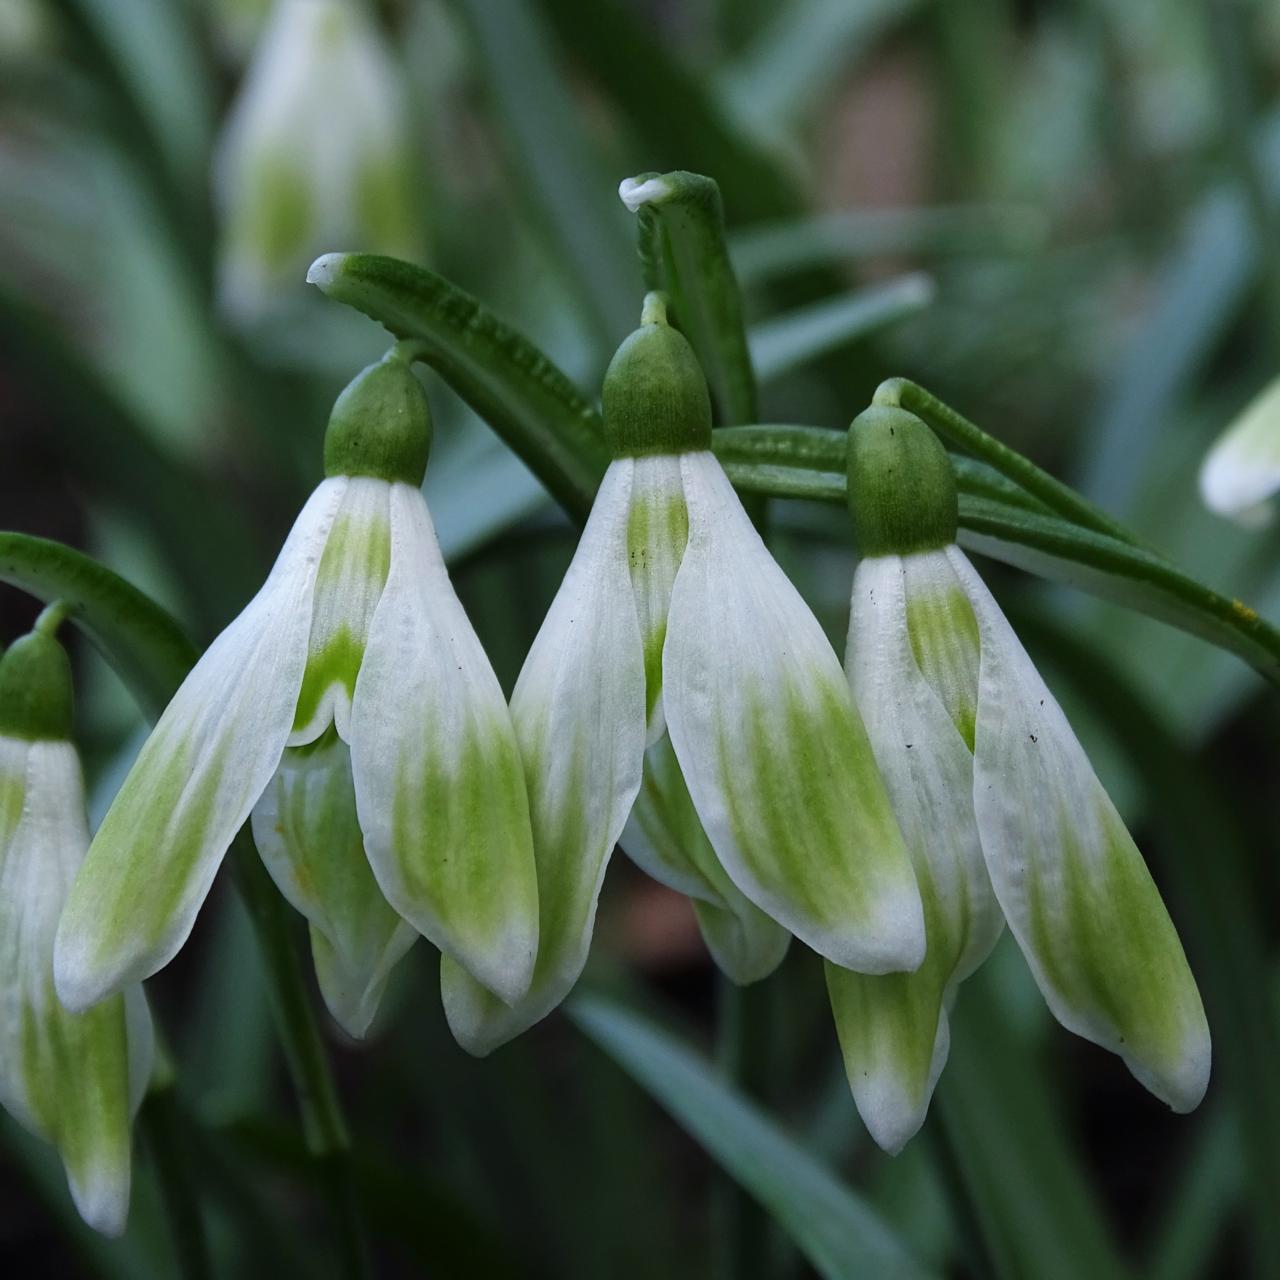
773,750
439,786
893,1028
1242,470
65,1076
663,835
198,776
307,832
579,712
1073,885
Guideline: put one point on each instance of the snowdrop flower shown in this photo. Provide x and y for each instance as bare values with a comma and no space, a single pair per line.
1003,815
1242,470
674,619
316,153
351,709
75,1079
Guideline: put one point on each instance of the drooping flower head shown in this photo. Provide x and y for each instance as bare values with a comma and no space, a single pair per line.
352,711
1001,810
675,633
75,1079
1241,473
315,153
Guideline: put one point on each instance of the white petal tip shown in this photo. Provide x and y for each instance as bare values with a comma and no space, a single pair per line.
103,1203
1237,487
634,193
1181,1086
892,1119
79,986
325,269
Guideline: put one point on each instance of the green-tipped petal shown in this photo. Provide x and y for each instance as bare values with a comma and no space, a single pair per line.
665,838
579,712
194,783
65,1076
439,786
772,747
306,830
893,1028
1072,884
349,582
1242,470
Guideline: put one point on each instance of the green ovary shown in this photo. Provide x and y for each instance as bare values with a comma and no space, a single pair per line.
944,638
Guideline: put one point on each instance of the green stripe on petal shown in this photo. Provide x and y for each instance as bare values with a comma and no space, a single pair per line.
349,583
439,785
772,747
893,1027
65,1076
579,713
194,783
1072,883
307,833
665,838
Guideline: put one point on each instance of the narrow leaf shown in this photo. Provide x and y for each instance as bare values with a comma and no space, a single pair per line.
836,1230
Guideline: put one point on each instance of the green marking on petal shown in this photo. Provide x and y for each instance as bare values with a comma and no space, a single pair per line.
944,638
273,218
337,662
384,203
12,793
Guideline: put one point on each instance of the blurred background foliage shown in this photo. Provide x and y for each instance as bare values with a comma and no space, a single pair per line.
1058,215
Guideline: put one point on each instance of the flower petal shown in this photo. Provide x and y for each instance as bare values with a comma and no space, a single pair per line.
579,712
65,1076
192,787
306,830
893,1027
1072,884
664,837
772,748
439,786
1242,470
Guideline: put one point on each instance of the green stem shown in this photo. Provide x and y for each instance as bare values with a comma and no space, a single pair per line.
1055,495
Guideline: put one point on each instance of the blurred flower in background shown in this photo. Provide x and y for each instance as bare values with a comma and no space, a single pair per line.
1242,470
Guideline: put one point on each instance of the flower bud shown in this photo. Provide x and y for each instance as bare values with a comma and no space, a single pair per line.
902,491
380,425
655,396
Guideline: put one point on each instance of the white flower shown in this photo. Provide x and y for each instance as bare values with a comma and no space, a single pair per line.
673,618
1242,470
75,1079
315,154
356,644
1001,810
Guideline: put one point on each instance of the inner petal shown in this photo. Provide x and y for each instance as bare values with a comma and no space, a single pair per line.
349,582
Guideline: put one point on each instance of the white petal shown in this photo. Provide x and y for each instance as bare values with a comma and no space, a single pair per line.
307,832
1242,470
65,1076
579,712
198,776
1072,884
439,785
772,748
907,615
349,582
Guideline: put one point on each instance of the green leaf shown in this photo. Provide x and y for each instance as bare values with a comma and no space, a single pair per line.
785,342
836,1230
135,635
523,396
683,252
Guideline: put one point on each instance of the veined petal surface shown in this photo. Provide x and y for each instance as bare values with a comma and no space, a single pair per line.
65,1076
1242,469
1072,884
194,783
308,835
665,838
893,1027
579,713
353,571
439,786
772,747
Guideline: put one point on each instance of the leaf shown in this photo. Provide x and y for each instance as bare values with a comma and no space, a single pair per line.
135,635
683,252
788,341
523,396
837,1231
